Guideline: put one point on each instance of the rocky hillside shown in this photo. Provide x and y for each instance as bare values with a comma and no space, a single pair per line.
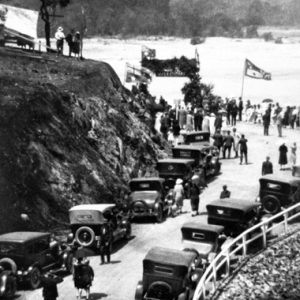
67,136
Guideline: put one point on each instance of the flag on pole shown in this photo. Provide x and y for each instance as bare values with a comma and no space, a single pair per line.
251,70
134,74
197,58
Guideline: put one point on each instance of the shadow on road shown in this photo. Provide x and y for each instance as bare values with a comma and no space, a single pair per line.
121,243
97,296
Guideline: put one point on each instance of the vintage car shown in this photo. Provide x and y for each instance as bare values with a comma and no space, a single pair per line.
148,198
87,220
205,157
196,137
29,254
205,239
236,215
168,274
276,192
173,168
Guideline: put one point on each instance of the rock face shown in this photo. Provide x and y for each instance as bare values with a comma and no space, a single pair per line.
66,137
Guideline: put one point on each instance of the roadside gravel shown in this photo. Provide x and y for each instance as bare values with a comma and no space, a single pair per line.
273,274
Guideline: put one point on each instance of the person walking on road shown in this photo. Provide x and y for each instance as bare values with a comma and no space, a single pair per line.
218,140
282,156
49,283
266,121
279,123
105,243
225,193
218,122
293,155
198,118
267,167
228,141
243,149
236,137
241,107
234,112
195,195
179,194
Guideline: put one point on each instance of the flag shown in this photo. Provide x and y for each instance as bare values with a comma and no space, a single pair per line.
251,70
134,74
148,53
197,58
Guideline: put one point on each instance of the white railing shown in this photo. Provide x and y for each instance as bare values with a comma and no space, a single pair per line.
208,282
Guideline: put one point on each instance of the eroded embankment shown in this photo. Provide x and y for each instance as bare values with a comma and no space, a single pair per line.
67,136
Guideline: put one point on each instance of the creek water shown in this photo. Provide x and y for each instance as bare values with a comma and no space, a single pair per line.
221,64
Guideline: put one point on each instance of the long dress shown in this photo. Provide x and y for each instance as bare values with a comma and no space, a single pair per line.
293,156
283,154
205,124
178,195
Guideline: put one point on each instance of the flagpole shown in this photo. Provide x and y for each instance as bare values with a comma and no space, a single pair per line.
243,81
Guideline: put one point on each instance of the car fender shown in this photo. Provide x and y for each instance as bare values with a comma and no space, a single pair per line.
6,261
139,291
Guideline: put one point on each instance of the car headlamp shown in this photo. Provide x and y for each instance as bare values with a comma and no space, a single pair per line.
195,277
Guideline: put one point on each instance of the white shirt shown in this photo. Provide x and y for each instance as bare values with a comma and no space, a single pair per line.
59,35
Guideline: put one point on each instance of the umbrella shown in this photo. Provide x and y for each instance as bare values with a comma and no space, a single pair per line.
267,100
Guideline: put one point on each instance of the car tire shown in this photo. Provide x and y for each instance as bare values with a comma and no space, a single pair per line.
271,204
8,264
84,243
160,215
11,287
34,278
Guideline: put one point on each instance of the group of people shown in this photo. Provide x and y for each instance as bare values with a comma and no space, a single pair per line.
73,39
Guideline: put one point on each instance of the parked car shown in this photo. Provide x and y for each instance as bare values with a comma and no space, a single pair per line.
205,239
148,197
86,223
173,168
205,157
29,254
168,274
197,137
276,192
236,215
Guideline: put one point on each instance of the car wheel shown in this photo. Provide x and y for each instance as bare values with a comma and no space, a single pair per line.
159,217
8,264
128,232
271,204
11,287
79,236
69,263
35,278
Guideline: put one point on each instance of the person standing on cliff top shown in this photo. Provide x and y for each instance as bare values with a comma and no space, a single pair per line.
59,36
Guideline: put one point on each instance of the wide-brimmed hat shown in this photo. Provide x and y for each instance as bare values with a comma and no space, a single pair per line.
60,28
179,181
195,177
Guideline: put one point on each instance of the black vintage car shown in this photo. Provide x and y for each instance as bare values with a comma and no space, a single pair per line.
148,197
205,157
29,254
168,275
173,168
276,192
205,239
87,220
236,215
196,137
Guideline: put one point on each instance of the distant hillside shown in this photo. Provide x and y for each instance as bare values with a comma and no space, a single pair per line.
171,17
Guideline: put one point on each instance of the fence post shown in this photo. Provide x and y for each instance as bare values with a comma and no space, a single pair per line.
285,223
244,246
264,232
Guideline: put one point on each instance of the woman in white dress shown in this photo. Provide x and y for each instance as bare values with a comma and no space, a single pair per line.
179,194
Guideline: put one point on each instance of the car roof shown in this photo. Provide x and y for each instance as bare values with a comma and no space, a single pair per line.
170,256
177,160
233,203
147,179
202,226
287,178
194,147
96,207
22,236
196,133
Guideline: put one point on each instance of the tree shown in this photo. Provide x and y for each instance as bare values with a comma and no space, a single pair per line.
46,6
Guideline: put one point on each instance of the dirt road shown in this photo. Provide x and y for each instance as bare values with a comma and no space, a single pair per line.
117,281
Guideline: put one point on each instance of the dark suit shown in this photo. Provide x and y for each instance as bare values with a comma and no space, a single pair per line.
267,168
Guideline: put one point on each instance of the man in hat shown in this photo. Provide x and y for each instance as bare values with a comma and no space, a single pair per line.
59,36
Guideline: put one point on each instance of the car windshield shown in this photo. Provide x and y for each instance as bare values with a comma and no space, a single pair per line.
145,186
7,248
172,168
